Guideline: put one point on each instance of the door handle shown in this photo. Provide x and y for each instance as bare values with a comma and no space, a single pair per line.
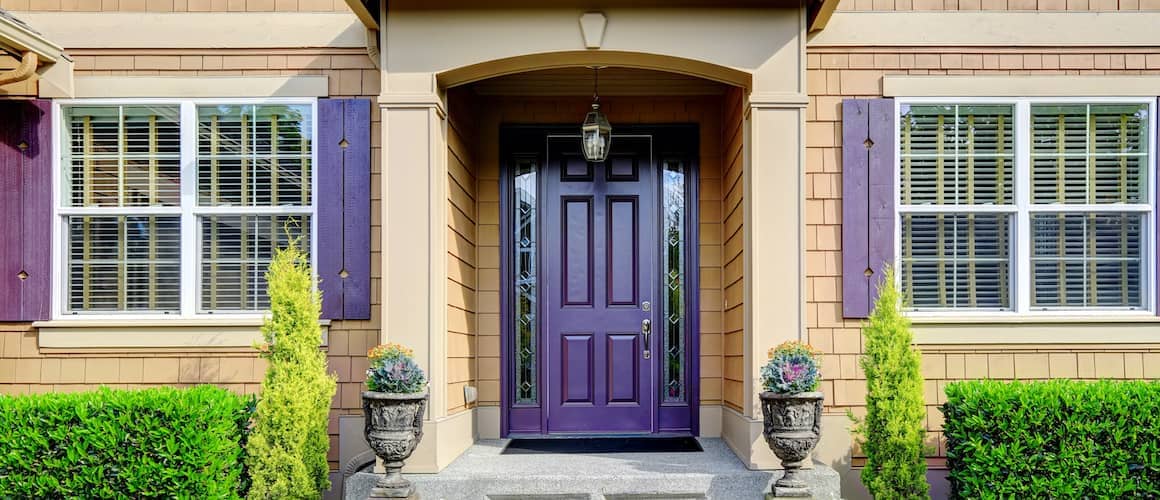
646,331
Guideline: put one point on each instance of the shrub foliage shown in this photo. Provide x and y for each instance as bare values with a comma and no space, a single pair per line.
892,433
1056,439
152,443
286,453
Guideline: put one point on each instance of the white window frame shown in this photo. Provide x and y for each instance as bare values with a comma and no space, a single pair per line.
1020,278
190,296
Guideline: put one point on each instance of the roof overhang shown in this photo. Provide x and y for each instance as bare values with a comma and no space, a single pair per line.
818,12
54,67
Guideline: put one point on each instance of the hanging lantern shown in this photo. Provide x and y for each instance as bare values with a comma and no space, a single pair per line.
595,133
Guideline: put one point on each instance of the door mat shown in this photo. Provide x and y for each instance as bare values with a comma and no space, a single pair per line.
603,445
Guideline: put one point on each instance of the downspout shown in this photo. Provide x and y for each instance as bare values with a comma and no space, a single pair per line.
24,71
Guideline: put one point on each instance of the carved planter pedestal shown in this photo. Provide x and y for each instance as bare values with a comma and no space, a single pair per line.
792,427
394,426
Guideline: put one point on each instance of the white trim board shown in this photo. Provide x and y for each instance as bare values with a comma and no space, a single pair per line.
990,29
1020,85
133,87
199,30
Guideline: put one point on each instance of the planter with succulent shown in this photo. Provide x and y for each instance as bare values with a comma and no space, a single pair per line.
793,411
393,407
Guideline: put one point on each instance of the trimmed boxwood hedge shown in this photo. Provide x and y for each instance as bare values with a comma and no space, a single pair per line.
161,442
1056,439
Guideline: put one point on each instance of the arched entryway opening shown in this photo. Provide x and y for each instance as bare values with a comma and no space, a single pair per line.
556,265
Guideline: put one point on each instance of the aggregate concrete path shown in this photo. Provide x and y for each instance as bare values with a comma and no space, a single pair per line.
483,473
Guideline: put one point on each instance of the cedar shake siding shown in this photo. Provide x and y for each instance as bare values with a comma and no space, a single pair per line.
27,368
837,74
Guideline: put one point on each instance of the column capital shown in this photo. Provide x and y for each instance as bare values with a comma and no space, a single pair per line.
398,100
761,100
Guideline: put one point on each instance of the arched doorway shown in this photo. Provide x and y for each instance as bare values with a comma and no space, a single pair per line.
581,255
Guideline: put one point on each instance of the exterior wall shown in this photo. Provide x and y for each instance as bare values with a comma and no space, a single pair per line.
175,5
25,367
733,249
703,110
834,74
1044,5
462,236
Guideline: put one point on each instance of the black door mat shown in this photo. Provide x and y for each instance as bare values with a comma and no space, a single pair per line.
603,445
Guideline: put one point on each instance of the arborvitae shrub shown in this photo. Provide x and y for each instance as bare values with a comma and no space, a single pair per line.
153,443
286,453
892,433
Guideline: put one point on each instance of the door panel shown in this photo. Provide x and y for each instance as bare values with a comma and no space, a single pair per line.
623,365
599,251
577,368
623,251
578,249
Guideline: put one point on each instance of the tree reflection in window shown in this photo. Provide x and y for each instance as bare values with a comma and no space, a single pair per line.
673,305
524,217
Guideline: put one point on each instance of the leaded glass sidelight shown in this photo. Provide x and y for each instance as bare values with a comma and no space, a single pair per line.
524,222
673,305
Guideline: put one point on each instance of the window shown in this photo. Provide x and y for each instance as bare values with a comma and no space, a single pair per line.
175,208
1025,205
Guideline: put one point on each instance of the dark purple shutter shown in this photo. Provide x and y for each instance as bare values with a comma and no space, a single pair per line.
344,207
25,210
867,200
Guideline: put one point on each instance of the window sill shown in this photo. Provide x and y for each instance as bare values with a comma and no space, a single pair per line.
1128,328
89,335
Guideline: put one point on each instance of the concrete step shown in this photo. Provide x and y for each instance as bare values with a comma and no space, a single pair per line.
485,474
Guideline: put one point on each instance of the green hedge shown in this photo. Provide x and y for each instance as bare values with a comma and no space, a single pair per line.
162,442
1057,439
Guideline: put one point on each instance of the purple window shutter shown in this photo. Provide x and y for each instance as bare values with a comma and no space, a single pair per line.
344,207
26,207
867,200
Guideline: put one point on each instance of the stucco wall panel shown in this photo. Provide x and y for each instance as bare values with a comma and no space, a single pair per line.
749,40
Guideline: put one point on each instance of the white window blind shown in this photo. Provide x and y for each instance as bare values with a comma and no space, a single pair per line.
957,189
1052,195
122,174
1084,159
254,167
176,208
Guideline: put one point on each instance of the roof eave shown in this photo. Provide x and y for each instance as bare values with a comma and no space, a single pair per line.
819,13
18,38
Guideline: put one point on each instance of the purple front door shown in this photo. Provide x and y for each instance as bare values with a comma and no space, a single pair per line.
599,248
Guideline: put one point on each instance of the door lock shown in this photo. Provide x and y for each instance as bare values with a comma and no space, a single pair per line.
646,331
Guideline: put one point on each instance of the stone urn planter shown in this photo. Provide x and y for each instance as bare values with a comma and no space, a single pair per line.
394,426
792,427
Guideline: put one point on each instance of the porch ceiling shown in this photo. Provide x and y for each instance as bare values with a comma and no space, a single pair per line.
614,81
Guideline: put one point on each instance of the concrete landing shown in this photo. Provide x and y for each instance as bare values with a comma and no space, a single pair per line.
483,473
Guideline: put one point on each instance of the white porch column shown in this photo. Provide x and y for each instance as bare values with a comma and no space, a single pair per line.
414,238
774,232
